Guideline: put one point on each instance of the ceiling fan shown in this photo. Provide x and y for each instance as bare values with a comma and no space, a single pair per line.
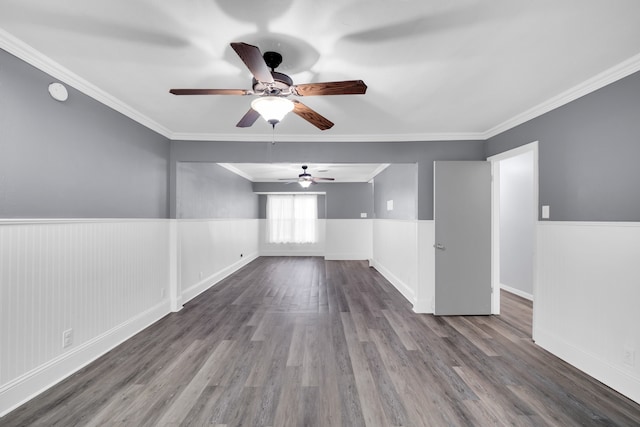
305,179
274,88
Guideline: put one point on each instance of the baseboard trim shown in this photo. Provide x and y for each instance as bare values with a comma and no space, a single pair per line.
203,285
346,257
292,253
517,292
601,370
402,287
27,386
423,306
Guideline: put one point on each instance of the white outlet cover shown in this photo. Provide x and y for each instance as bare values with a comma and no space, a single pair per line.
363,215
629,356
67,338
389,205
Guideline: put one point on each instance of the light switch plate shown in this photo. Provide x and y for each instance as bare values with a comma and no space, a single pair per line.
363,214
545,212
389,205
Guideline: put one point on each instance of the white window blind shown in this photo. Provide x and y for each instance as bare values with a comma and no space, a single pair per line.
292,218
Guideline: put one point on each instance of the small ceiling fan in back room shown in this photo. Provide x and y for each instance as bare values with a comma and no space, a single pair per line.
305,179
274,88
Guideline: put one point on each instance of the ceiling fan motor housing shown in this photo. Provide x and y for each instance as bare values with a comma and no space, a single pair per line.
281,83
304,175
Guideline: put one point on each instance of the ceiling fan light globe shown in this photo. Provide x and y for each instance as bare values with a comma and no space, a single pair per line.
272,108
305,183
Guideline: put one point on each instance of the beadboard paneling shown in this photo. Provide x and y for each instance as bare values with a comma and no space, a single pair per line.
349,239
587,296
210,250
395,254
92,276
426,259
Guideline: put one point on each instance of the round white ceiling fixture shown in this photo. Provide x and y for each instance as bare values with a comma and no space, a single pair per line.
58,92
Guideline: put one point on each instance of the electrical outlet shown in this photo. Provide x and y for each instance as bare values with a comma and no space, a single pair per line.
629,357
67,338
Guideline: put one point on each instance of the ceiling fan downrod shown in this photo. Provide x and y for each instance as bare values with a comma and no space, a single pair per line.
272,59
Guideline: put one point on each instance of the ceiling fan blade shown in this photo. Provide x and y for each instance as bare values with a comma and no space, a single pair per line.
311,116
252,58
248,119
323,179
348,87
210,92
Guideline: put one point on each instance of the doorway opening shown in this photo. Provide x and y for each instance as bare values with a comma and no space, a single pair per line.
514,218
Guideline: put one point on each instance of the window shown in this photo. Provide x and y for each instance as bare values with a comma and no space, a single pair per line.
291,218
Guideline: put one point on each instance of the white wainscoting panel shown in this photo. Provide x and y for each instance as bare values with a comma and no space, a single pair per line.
587,299
284,249
395,254
349,239
426,288
105,279
210,250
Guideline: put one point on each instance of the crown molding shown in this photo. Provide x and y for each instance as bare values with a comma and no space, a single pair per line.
237,171
325,137
377,171
35,58
45,64
613,74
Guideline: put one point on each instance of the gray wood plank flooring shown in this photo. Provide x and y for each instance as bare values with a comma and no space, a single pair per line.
307,342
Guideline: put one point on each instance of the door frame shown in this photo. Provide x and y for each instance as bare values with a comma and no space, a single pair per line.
495,217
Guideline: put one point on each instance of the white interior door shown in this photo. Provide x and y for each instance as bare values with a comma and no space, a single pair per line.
462,201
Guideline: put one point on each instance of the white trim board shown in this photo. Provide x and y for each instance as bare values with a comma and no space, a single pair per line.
33,57
586,295
156,272
402,287
613,74
202,286
517,292
591,364
495,217
40,379
292,253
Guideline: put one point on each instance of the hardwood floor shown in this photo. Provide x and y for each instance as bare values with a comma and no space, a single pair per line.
308,342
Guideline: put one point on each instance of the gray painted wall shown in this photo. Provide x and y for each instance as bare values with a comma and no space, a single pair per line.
589,151
398,182
517,224
207,190
74,159
421,153
344,200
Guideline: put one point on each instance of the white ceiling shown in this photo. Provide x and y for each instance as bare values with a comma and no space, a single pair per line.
457,69
275,172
